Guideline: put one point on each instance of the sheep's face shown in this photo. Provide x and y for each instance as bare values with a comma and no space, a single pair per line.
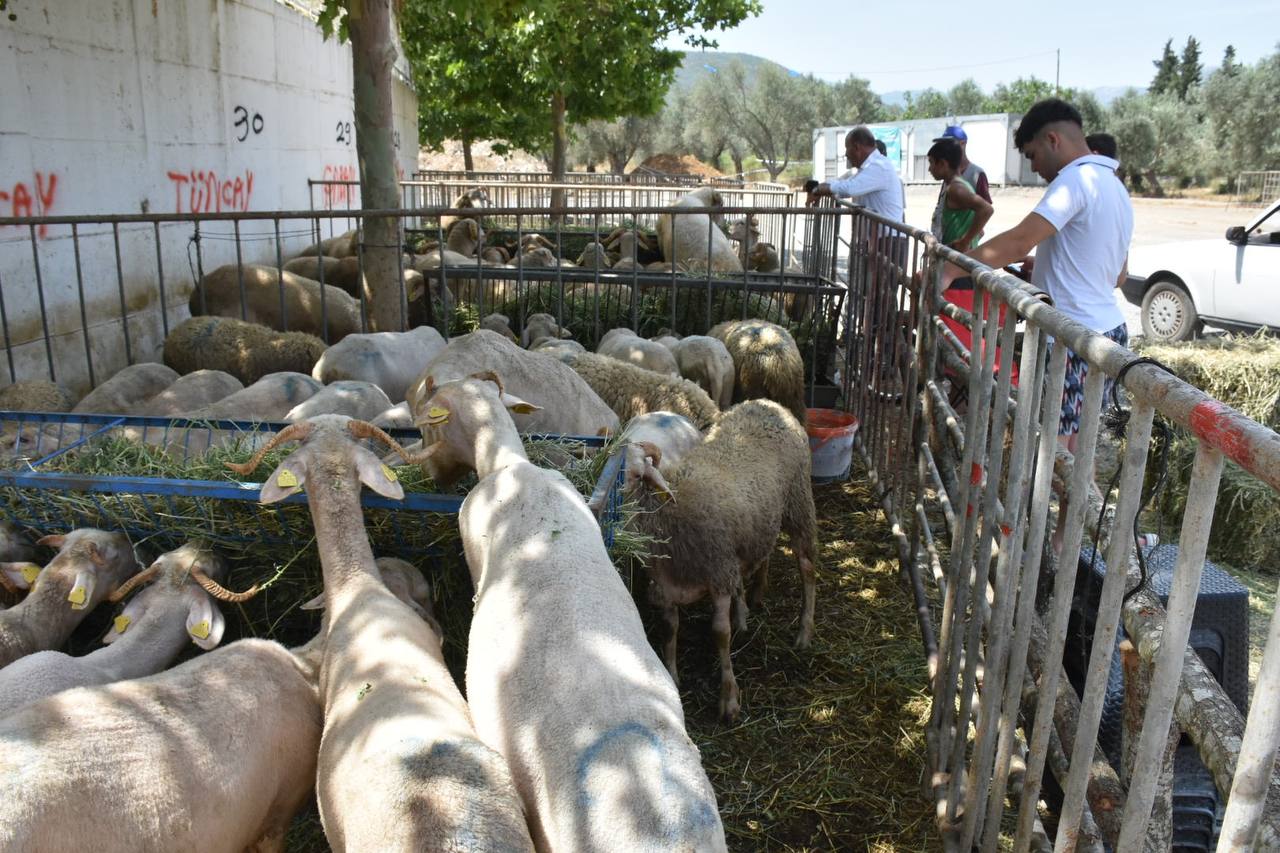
463,420
407,584
89,565
330,455
642,471
763,258
204,622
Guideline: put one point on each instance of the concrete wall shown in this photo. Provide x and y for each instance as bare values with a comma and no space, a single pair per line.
185,106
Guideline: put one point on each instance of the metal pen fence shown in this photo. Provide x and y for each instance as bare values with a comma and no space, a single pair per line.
83,296
971,493
640,175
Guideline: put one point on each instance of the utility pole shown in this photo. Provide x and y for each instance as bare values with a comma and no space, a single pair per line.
1057,69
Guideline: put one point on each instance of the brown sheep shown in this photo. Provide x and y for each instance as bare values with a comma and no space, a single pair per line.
766,363
218,293
247,351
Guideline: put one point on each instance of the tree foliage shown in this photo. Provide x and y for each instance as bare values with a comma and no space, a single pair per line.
1166,78
966,98
614,142
1189,68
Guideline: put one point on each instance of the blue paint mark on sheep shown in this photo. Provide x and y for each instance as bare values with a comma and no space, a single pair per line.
687,816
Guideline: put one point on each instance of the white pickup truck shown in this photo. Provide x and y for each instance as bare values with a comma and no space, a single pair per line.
1232,282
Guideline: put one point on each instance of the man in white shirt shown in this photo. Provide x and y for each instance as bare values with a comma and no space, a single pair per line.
875,186
1080,230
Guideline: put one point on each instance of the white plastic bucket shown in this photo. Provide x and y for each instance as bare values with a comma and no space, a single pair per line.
831,435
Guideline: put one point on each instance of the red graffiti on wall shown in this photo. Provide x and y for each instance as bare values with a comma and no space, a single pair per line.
205,192
23,202
339,194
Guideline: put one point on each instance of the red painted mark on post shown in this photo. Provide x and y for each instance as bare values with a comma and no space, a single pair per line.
25,203
344,194
1214,423
975,474
1006,531
205,192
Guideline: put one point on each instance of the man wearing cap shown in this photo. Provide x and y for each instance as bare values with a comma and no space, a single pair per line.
971,172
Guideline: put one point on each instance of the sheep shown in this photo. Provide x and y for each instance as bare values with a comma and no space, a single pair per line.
266,291
88,567
563,350
666,337
631,390
465,237
268,399
391,360
569,406
195,390
339,272
496,256
499,323
706,361
625,345
540,326
16,556
766,363
399,416
764,258
400,766
593,256
695,239
247,351
746,233
360,400
342,246
540,257
217,753
655,443
554,628
631,246
126,389
35,395
476,197
144,639
745,482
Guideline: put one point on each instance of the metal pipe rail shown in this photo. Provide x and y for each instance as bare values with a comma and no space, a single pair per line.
985,604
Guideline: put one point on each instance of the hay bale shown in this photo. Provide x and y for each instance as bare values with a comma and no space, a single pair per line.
1244,373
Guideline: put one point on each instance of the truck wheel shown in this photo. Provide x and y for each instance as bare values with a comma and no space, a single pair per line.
1168,314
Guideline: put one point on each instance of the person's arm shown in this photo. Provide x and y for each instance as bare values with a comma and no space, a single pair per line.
1014,244
961,197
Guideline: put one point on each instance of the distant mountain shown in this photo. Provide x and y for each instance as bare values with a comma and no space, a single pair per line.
698,64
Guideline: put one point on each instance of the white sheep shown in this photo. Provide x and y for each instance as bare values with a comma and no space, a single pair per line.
89,566
631,390
563,350
217,753
145,638
499,323
390,360
360,400
695,240
706,361
655,444
400,766
625,345
190,392
322,310
130,386
569,406
540,326
399,416
745,482
269,399
560,676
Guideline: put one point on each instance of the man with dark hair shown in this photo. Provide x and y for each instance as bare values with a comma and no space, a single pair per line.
1080,230
876,185
971,172
961,213
1102,143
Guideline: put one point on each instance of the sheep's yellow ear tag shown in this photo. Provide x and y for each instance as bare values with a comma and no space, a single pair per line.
200,630
30,571
388,473
121,623
286,479
77,597
437,415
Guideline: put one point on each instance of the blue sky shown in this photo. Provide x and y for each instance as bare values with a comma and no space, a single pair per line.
915,45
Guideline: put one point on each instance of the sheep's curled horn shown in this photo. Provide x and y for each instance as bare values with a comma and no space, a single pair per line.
651,449
299,431
217,590
142,577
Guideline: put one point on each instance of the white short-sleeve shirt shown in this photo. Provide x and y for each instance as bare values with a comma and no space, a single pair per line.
1078,266
876,186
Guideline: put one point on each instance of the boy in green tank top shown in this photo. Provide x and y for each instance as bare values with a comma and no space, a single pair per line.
961,213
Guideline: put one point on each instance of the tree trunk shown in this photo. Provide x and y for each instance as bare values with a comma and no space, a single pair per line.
559,143
372,56
737,163
468,162
775,169
1156,189
618,162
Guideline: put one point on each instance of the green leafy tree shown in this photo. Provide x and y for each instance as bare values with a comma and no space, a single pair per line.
966,98
929,103
615,142
850,101
1166,79
1159,136
1243,109
771,114
1018,96
1230,66
1189,68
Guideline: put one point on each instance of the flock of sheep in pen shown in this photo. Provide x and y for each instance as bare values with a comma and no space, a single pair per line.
571,735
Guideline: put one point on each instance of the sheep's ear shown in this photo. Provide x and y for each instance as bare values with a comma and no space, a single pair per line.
54,541
21,575
204,620
96,556
316,603
415,290
653,477
377,476
520,407
565,333
129,616
289,478
81,594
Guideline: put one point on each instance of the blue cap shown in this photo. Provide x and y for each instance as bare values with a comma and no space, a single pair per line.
955,132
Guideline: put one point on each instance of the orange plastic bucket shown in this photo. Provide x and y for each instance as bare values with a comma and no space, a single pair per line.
831,435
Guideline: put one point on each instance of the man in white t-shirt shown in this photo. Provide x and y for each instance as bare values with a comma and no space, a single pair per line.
1080,231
